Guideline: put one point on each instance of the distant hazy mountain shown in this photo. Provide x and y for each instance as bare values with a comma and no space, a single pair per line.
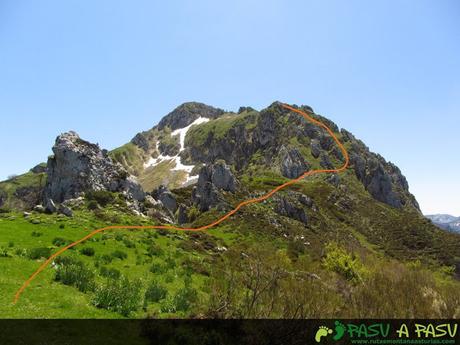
446,221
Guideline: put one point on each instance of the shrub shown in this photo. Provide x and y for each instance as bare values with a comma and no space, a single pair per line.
67,260
38,253
110,272
61,226
92,205
36,234
340,261
119,237
128,243
75,274
154,250
294,249
4,253
88,251
102,197
184,298
106,259
122,296
119,254
59,241
10,244
157,268
182,301
170,262
155,292
193,213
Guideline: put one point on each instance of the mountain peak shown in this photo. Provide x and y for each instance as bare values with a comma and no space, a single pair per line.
188,112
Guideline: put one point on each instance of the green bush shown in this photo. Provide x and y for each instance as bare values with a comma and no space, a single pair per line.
10,244
75,274
122,296
193,213
4,253
59,241
119,254
155,292
36,234
157,268
88,251
119,237
38,253
92,205
340,261
155,250
128,243
106,259
183,300
170,262
67,260
102,197
109,272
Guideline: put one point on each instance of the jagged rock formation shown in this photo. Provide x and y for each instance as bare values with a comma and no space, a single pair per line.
288,208
212,179
382,179
292,163
268,133
79,166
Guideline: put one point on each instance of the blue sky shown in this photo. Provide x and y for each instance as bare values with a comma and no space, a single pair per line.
388,71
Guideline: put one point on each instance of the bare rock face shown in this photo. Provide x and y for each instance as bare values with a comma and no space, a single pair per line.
213,178
292,163
166,198
288,208
79,166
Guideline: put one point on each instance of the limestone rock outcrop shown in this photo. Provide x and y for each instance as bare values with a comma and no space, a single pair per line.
78,166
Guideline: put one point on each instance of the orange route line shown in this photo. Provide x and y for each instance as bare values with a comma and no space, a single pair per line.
216,222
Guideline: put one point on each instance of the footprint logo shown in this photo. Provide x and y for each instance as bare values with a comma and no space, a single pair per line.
339,330
321,332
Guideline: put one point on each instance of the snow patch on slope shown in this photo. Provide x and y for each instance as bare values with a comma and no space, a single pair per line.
182,132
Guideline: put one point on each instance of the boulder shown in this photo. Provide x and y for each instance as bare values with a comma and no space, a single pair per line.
182,217
315,148
325,161
167,198
74,203
305,200
287,208
39,168
62,209
50,206
333,179
132,189
211,179
292,162
39,208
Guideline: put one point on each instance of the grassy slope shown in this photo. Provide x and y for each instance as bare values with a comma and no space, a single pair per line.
11,186
252,226
46,298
